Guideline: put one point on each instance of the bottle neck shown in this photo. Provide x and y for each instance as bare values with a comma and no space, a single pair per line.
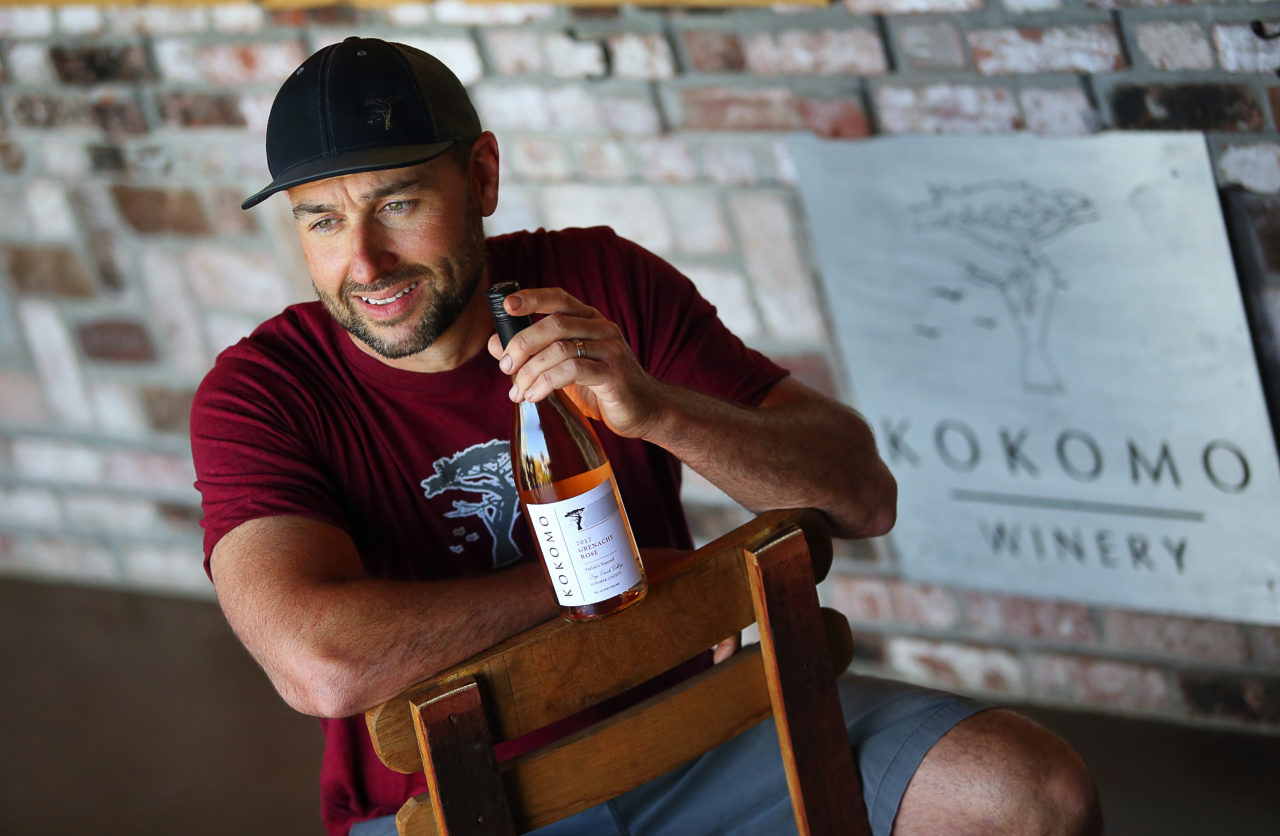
507,325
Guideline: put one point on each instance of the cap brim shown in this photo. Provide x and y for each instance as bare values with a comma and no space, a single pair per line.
353,162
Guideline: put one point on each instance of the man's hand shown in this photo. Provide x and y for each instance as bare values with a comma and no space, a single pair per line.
573,348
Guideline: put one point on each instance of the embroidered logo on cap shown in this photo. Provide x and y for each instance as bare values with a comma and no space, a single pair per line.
378,110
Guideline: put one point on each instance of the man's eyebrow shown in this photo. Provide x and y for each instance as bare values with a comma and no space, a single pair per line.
406,186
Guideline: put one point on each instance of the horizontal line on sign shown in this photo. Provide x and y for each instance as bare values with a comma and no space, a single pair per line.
1077,505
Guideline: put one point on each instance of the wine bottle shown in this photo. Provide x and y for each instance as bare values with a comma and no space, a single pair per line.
570,497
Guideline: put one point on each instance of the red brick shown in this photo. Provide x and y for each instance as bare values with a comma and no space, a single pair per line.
1229,108
1080,49
861,599
1251,699
739,109
99,64
154,211
168,409
923,605
201,110
710,51
116,340
1099,682
1175,636
835,118
1032,618
48,271
959,667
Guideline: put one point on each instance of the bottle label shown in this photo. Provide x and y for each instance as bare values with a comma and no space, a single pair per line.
586,545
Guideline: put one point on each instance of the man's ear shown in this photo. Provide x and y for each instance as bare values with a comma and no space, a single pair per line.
483,172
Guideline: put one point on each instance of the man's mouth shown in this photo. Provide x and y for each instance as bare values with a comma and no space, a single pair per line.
369,300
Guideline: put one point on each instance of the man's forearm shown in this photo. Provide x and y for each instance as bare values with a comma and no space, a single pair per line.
795,450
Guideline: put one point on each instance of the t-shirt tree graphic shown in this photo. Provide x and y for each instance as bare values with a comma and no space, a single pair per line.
484,469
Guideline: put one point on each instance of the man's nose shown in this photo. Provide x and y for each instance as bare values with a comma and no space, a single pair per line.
371,255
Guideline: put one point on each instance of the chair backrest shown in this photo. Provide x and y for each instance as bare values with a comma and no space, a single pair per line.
762,572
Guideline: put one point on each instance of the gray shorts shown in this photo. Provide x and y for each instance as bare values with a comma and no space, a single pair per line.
739,789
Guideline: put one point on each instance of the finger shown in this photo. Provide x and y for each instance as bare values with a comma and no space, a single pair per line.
573,370
547,300
549,341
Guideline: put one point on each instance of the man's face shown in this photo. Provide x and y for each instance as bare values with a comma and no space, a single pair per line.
394,255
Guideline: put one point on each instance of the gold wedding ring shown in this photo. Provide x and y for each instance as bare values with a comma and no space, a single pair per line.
582,349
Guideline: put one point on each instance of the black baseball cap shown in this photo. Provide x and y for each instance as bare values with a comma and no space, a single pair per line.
363,105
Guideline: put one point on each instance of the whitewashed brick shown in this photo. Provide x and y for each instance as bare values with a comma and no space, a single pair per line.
698,221
630,116
116,409
666,160
784,163
767,237
408,14
962,667
514,107
861,599
491,14
634,212
23,404
1082,49
168,568
1256,167
58,558
176,60
1065,112
1241,51
517,210
113,515
240,280
178,325
946,109
601,159
123,20
1174,45
573,108
729,163
225,329
143,470
29,507
57,461
538,158
1028,6
515,51
229,64
904,7
64,158
816,52
54,352
729,291
30,64
641,56
26,22
458,54
571,58
174,20
932,46
79,21
237,18
50,211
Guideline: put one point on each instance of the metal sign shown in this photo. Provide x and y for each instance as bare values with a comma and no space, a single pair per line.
1048,337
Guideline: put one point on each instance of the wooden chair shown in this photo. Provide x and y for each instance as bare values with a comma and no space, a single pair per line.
764,572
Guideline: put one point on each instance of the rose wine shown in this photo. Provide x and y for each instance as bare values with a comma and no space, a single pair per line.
570,498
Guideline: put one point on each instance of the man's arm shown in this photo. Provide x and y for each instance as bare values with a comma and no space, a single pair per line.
335,642
797,449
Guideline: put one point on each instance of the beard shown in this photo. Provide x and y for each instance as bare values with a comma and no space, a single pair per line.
451,283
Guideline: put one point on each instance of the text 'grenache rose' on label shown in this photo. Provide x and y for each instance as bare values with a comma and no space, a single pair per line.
586,547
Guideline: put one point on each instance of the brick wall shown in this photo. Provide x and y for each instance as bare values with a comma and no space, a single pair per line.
129,135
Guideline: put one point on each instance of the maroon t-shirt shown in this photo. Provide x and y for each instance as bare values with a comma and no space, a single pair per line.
295,420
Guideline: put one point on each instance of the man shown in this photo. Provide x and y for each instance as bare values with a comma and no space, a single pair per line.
360,519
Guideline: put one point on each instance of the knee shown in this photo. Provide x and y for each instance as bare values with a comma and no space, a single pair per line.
1001,773
1037,782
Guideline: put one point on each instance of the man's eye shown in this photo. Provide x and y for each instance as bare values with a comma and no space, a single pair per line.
396,206
323,225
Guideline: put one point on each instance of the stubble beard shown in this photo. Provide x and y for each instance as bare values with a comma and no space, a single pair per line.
452,286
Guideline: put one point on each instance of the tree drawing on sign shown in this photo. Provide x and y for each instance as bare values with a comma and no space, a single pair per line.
1012,221
484,469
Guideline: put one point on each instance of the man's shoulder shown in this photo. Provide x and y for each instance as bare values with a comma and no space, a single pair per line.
573,240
